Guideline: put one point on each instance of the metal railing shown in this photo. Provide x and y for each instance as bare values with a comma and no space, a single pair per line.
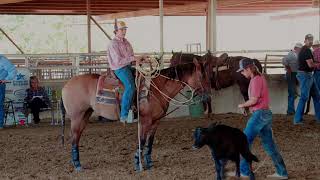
61,67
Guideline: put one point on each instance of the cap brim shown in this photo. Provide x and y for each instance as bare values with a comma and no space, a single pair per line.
239,70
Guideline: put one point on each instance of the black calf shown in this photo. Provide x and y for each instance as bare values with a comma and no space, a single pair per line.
226,143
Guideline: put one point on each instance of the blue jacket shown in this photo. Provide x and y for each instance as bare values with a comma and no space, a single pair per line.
7,69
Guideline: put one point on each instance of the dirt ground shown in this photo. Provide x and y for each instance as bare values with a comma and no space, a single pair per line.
107,149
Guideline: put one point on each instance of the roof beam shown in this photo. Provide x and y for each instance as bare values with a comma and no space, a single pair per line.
233,3
11,1
155,11
295,15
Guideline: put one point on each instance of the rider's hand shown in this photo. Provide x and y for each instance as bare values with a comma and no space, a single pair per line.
145,58
137,59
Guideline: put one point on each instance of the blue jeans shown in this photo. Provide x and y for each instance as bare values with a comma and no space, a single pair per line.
307,87
2,95
316,76
126,77
292,81
260,124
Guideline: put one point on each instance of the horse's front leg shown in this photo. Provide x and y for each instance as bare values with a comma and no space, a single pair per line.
148,149
147,153
144,129
137,166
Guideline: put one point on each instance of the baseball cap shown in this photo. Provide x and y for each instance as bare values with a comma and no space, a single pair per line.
298,45
308,36
244,63
120,25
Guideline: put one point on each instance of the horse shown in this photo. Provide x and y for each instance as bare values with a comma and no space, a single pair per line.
220,78
181,58
79,102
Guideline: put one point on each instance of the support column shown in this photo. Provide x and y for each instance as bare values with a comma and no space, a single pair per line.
161,31
89,31
89,25
211,26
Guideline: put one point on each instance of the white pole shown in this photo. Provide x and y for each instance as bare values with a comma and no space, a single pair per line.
89,25
161,30
207,27
212,25
89,30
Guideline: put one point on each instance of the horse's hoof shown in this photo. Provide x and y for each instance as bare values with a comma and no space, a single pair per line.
149,167
138,169
78,169
77,166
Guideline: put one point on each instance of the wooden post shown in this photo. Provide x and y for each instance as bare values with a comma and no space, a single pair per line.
89,31
104,32
161,31
12,41
265,64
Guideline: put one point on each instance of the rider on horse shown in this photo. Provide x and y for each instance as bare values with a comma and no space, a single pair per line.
120,56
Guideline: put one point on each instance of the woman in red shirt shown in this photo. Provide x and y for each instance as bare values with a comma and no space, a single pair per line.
260,121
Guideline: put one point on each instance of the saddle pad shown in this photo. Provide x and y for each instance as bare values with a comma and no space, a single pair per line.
107,90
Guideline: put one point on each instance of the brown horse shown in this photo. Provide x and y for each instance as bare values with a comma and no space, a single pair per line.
79,99
208,62
220,78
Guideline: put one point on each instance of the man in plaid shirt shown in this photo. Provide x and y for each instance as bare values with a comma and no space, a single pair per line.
316,56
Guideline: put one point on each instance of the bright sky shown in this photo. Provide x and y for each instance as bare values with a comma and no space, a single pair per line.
233,33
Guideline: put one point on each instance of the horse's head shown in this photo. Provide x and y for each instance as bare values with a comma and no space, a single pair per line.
182,58
199,79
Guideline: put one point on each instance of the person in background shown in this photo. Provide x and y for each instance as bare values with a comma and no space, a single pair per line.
36,98
260,122
290,63
316,55
306,66
7,72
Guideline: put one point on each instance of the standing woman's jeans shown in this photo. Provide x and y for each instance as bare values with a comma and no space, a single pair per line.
2,95
260,124
307,87
292,81
126,77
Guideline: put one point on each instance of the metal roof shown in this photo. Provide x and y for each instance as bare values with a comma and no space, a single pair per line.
112,8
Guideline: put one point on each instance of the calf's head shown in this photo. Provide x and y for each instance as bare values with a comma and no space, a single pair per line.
200,137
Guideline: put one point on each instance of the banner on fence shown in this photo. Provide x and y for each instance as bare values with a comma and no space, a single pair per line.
16,92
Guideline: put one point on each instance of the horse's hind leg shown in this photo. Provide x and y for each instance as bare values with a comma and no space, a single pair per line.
78,124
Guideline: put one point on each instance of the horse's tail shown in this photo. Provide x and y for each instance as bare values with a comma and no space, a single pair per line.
63,117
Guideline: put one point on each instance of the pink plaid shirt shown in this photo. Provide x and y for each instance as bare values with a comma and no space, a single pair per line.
316,56
120,53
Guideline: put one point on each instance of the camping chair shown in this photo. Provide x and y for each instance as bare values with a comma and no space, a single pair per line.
9,109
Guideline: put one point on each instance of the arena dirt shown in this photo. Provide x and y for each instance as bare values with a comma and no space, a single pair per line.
106,151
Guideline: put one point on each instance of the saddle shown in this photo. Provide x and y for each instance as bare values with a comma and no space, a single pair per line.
110,90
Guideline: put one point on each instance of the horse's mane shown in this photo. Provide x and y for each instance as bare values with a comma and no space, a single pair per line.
186,55
180,70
